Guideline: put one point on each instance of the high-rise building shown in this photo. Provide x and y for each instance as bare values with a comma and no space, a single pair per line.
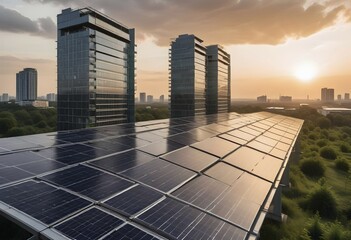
187,76
217,80
142,97
26,85
150,98
262,98
51,97
162,98
339,97
5,97
96,70
347,97
327,94
285,98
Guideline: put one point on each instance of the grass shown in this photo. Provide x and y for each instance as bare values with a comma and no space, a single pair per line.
294,199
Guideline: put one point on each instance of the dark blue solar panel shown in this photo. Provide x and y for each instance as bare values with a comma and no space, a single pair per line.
10,174
41,166
160,174
41,201
88,181
19,158
190,158
108,145
130,141
161,147
203,192
183,138
216,146
123,161
180,221
148,136
129,232
89,225
75,158
134,200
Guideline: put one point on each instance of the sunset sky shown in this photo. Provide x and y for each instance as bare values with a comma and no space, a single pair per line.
277,47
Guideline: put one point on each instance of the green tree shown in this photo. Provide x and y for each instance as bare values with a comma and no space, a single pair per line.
6,124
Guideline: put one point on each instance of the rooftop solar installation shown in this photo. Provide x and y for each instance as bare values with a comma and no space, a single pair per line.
203,177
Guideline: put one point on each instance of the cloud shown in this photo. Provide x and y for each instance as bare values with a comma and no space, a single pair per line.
226,21
13,21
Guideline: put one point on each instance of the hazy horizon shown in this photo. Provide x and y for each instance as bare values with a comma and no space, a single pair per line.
286,47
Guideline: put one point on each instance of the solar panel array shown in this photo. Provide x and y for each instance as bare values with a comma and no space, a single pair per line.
205,177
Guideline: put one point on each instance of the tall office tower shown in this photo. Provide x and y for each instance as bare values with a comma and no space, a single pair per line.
162,98
187,76
339,97
217,80
150,98
27,85
347,97
142,97
5,97
96,70
327,94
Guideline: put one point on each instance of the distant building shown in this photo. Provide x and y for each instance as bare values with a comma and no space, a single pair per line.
339,97
162,98
326,110
347,97
327,94
262,98
51,97
5,97
150,98
27,85
95,70
285,98
142,97
187,76
36,103
217,80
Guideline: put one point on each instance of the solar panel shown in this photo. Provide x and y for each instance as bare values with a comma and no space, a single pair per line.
129,232
160,174
216,146
188,178
180,221
123,161
224,173
89,225
88,181
133,200
161,147
41,201
190,158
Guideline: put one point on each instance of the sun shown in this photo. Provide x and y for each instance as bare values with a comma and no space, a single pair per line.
306,71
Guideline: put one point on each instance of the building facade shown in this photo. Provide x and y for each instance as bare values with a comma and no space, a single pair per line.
327,94
347,97
162,98
217,80
51,97
96,70
262,99
187,62
142,97
5,97
150,98
27,85
285,98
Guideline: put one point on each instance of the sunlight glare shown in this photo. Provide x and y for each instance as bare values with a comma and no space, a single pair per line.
306,71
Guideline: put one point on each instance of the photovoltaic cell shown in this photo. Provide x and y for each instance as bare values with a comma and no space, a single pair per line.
41,166
224,173
243,135
161,147
190,158
129,232
89,225
185,138
260,146
180,221
134,200
130,141
19,158
41,201
10,174
123,161
216,146
88,181
233,139
160,174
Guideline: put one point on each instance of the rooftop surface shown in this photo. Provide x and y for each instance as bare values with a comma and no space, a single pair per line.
200,177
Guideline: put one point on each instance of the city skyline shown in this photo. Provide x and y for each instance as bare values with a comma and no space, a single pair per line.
265,55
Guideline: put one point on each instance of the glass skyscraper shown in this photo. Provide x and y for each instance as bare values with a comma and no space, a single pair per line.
27,85
218,95
96,70
199,78
187,76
